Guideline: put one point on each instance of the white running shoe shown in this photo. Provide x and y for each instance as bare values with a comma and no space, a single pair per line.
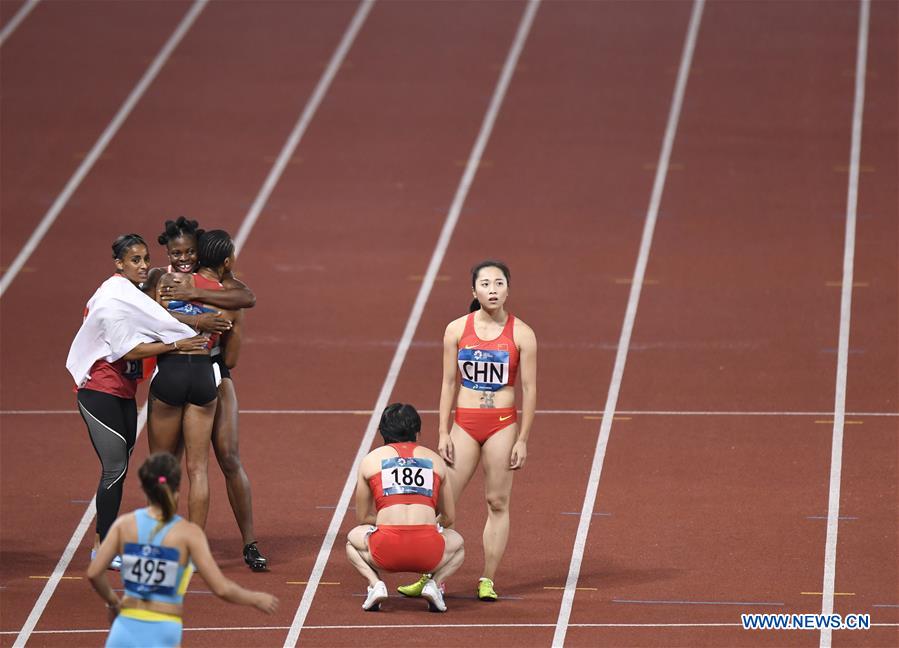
376,594
432,594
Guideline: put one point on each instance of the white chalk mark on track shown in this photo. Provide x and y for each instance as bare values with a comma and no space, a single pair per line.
85,167
577,553
16,20
545,412
413,627
421,299
836,450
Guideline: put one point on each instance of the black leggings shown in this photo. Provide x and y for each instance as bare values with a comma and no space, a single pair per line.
112,425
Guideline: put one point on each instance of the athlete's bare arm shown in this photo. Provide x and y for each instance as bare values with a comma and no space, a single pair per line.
236,294
365,503
449,385
527,344
221,586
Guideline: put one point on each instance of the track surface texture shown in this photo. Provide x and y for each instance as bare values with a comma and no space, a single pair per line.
719,438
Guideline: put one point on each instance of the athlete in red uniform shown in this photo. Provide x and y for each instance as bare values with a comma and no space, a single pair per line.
229,293
400,488
484,354
185,390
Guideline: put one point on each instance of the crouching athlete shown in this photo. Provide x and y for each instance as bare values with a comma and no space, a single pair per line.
400,489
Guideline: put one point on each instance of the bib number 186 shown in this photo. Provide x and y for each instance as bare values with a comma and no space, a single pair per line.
407,476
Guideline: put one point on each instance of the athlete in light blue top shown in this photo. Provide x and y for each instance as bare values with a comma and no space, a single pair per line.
159,549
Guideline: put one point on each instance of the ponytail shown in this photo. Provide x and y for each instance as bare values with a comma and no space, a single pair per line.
475,306
160,477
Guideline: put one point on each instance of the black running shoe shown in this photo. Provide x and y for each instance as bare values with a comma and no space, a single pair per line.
255,560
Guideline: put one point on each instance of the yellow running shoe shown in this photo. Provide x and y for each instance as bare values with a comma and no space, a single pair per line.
485,590
414,589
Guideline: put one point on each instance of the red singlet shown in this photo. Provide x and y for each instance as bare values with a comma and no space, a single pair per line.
404,451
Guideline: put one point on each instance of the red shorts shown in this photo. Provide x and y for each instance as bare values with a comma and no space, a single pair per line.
414,548
481,424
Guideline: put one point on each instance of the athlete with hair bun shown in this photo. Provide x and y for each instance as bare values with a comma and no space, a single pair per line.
180,238
484,354
159,552
121,327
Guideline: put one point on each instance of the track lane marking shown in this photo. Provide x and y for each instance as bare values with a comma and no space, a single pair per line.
450,626
587,414
424,292
16,20
296,135
627,325
836,450
100,146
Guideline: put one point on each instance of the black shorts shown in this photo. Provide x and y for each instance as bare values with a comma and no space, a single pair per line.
219,358
184,378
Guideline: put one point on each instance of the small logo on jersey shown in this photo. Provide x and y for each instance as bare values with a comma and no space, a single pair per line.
477,355
472,346
505,418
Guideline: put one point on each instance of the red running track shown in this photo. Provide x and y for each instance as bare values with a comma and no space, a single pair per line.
739,313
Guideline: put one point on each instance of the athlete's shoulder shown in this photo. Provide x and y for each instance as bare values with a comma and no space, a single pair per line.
371,463
456,326
520,328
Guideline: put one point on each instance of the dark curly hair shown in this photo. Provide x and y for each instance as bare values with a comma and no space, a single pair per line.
180,227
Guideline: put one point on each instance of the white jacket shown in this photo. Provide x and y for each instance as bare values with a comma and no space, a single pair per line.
119,317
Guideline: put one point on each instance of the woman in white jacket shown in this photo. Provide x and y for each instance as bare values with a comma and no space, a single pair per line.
121,327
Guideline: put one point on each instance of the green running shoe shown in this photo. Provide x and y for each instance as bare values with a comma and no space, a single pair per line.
415,589
485,590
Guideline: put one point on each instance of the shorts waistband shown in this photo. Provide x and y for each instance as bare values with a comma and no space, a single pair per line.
148,615
183,358
406,527
487,411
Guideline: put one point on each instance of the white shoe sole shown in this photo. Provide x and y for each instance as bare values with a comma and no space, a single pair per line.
375,598
435,601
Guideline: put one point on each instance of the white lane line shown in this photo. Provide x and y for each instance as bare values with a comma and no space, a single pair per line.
542,412
447,626
16,20
836,450
299,130
577,553
101,144
421,299
74,542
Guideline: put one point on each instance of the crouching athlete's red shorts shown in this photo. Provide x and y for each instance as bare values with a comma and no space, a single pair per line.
481,424
411,548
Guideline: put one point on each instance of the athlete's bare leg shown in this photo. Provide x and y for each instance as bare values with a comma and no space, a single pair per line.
453,556
164,426
197,431
359,555
467,454
225,444
498,490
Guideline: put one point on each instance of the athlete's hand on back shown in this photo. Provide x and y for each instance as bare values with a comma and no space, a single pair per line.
213,323
179,291
196,343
